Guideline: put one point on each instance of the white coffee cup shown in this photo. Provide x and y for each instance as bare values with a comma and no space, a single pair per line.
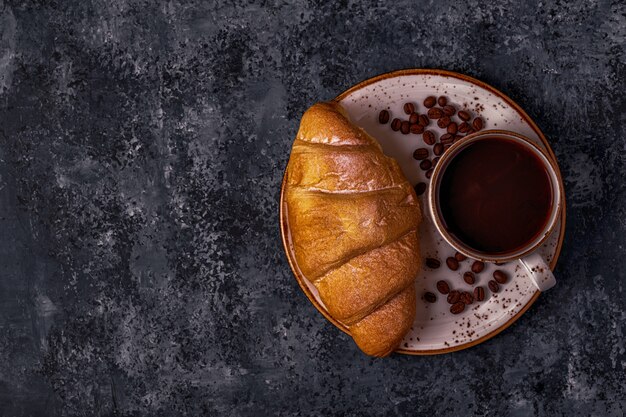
538,270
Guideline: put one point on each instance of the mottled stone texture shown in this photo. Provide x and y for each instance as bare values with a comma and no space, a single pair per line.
142,145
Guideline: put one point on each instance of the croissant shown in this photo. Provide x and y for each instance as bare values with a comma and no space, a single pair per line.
353,220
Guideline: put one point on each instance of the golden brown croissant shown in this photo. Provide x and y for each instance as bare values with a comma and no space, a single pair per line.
353,220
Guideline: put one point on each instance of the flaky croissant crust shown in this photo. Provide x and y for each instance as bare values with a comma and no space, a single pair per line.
353,220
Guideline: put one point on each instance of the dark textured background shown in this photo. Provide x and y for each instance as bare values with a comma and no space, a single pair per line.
142,145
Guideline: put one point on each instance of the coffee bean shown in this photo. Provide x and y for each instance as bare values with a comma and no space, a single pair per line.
499,276
430,297
446,147
470,131
446,139
435,113
443,122
429,137
477,124
469,277
429,102
460,257
457,308
383,117
429,173
420,188
453,297
433,263
409,108
463,115
423,120
464,127
417,129
467,298
452,263
452,128
443,287
426,164
442,101
493,286
396,124
413,118
438,149
449,110
478,267
405,127
479,293
435,160
420,153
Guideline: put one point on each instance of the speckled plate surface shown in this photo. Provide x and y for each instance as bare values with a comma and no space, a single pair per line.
435,329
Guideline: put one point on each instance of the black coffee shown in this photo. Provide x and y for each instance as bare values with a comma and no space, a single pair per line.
495,196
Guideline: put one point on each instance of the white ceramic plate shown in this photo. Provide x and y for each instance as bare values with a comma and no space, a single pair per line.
435,329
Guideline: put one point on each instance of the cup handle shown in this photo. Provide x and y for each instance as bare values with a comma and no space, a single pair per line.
538,271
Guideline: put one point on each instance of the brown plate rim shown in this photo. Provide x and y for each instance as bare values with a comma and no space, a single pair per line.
438,72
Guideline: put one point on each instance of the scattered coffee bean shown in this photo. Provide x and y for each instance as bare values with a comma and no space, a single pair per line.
463,115
426,164
499,276
435,160
443,122
464,127
405,127
430,297
467,298
396,124
460,257
383,117
453,297
413,118
420,188
449,110
457,308
478,266
442,101
452,128
438,149
493,286
417,129
409,108
423,120
443,287
477,124
469,277
429,137
470,131
420,153
429,173
446,139
479,293
435,113
429,101
452,263
446,147
433,263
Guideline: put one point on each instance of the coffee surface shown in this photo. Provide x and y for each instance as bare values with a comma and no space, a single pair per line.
495,196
